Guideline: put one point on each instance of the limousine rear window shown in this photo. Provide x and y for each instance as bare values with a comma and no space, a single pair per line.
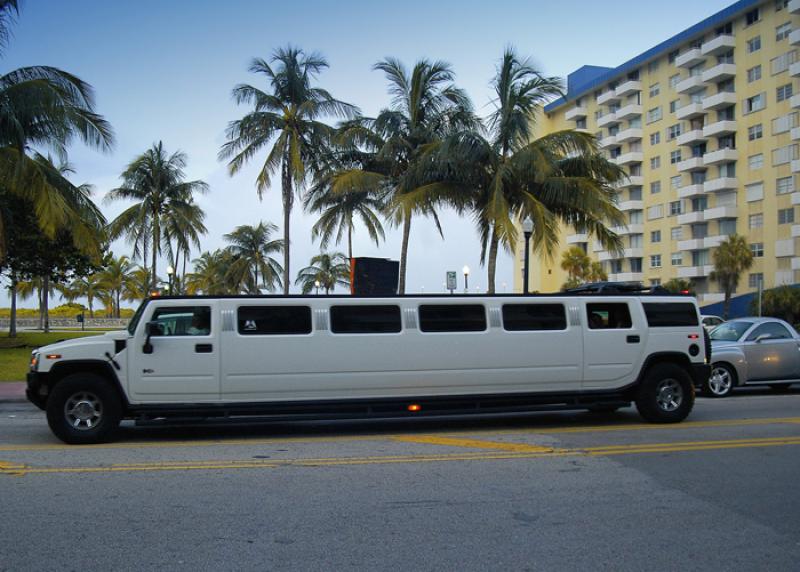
273,320
668,314
365,319
524,317
452,318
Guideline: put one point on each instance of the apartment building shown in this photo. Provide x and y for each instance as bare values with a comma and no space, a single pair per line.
706,126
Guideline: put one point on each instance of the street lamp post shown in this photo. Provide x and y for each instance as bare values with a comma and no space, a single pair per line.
170,272
527,229
465,270
317,285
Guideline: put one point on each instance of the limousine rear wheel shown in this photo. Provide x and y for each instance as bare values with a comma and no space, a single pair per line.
666,394
84,408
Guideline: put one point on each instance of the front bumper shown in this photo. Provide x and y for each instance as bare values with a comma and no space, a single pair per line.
700,374
37,390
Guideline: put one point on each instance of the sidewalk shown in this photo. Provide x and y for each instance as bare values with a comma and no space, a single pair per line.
12,391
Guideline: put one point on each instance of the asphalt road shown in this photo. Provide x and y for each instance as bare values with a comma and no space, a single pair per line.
539,492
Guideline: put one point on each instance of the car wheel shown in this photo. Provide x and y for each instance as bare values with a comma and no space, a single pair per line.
666,394
84,408
780,386
721,381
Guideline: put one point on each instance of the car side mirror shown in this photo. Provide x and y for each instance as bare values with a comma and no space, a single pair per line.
151,329
763,337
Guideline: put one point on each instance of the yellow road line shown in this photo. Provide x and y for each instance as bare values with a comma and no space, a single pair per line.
473,443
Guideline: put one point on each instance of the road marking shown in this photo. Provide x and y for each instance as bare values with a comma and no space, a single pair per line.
485,455
473,443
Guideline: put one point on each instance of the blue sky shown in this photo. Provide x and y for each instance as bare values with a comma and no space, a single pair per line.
165,70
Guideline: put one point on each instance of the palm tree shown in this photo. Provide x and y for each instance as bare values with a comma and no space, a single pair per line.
137,285
85,287
183,227
250,247
732,257
113,279
210,274
576,263
156,181
287,118
42,288
327,269
45,108
426,107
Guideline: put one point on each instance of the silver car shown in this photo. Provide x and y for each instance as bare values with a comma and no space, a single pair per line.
753,351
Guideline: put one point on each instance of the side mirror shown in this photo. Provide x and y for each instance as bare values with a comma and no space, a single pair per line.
763,337
151,329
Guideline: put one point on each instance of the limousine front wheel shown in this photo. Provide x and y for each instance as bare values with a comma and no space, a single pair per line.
666,394
83,408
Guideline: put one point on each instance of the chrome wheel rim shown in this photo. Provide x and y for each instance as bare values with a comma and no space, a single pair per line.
669,394
720,382
83,411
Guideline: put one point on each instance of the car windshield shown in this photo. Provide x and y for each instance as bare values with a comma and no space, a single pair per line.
729,331
136,317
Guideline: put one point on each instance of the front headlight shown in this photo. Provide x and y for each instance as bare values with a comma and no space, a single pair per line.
34,361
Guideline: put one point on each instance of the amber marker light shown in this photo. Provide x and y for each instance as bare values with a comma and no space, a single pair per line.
415,407
53,356
694,336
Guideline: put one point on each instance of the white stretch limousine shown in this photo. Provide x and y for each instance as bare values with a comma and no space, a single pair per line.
338,357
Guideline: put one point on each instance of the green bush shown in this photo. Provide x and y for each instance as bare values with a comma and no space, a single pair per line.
782,302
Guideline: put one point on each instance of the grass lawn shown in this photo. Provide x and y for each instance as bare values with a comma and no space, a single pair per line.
15,353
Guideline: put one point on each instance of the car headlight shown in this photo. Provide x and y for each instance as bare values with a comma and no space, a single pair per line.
34,361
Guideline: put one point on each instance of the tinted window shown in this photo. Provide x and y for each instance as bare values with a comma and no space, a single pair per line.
365,319
452,318
273,320
182,321
520,317
774,330
729,331
666,314
604,316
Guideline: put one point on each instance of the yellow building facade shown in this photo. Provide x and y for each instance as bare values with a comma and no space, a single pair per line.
706,126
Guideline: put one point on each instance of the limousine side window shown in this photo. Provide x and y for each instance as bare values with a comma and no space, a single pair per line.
605,316
182,321
273,320
669,314
452,318
524,317
378,319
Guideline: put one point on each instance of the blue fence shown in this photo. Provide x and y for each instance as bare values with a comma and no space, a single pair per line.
740,305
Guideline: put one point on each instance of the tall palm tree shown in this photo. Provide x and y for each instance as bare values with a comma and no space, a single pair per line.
426,107
732,257
285,119
253,268
114,279
85,287
45,108
211,274
327,269
155,180
137,285
182,231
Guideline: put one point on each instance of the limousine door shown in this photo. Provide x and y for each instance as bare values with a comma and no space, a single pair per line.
613,340
180,360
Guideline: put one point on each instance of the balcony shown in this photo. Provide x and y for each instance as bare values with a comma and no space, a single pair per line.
577,238
690,191
630,134
629,87
795,133
784,248
795,264
689,111
714,241
607,119
795,230
582,130
719,73
795,165
626,277
630,181
695,271
794,37
794,6
575,113
607,141
691,137
711,297
636,228
719,100
629,158
794,101
690,84
691,218
691,164
629,111
719,128
718,45
689,58
721,156
721,184
692,244
795,199
605,255
720,212
794,69
631,205
632,253
607,97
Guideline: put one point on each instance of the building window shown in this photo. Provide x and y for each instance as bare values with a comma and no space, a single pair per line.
781,4
676,259
655,261
655,212
755,280
754,192
675,156
655,187
673,131
654,90
784,185
652,67
755,161
786,216
755,132
676,233
781,63
655,236
655,162
673,105
783,92
655,282
755,220
783,155
783,31
672,55
752,17
755,103
674,208
580,123
655,138
674,80
784,123
754,74
675,182
757,248
653,114
753,44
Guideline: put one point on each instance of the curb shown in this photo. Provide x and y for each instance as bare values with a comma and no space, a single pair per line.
12,392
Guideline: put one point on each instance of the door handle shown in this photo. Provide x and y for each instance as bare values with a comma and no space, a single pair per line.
632,339
203,348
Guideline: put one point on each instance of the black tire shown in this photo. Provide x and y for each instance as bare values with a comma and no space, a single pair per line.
84,408
666,394
721,381
780,386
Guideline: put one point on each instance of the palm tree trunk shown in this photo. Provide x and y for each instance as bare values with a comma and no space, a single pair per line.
45,298
155,251
491,267
118,294
90,300
12,322
287,209
726,305
401,288
350,243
